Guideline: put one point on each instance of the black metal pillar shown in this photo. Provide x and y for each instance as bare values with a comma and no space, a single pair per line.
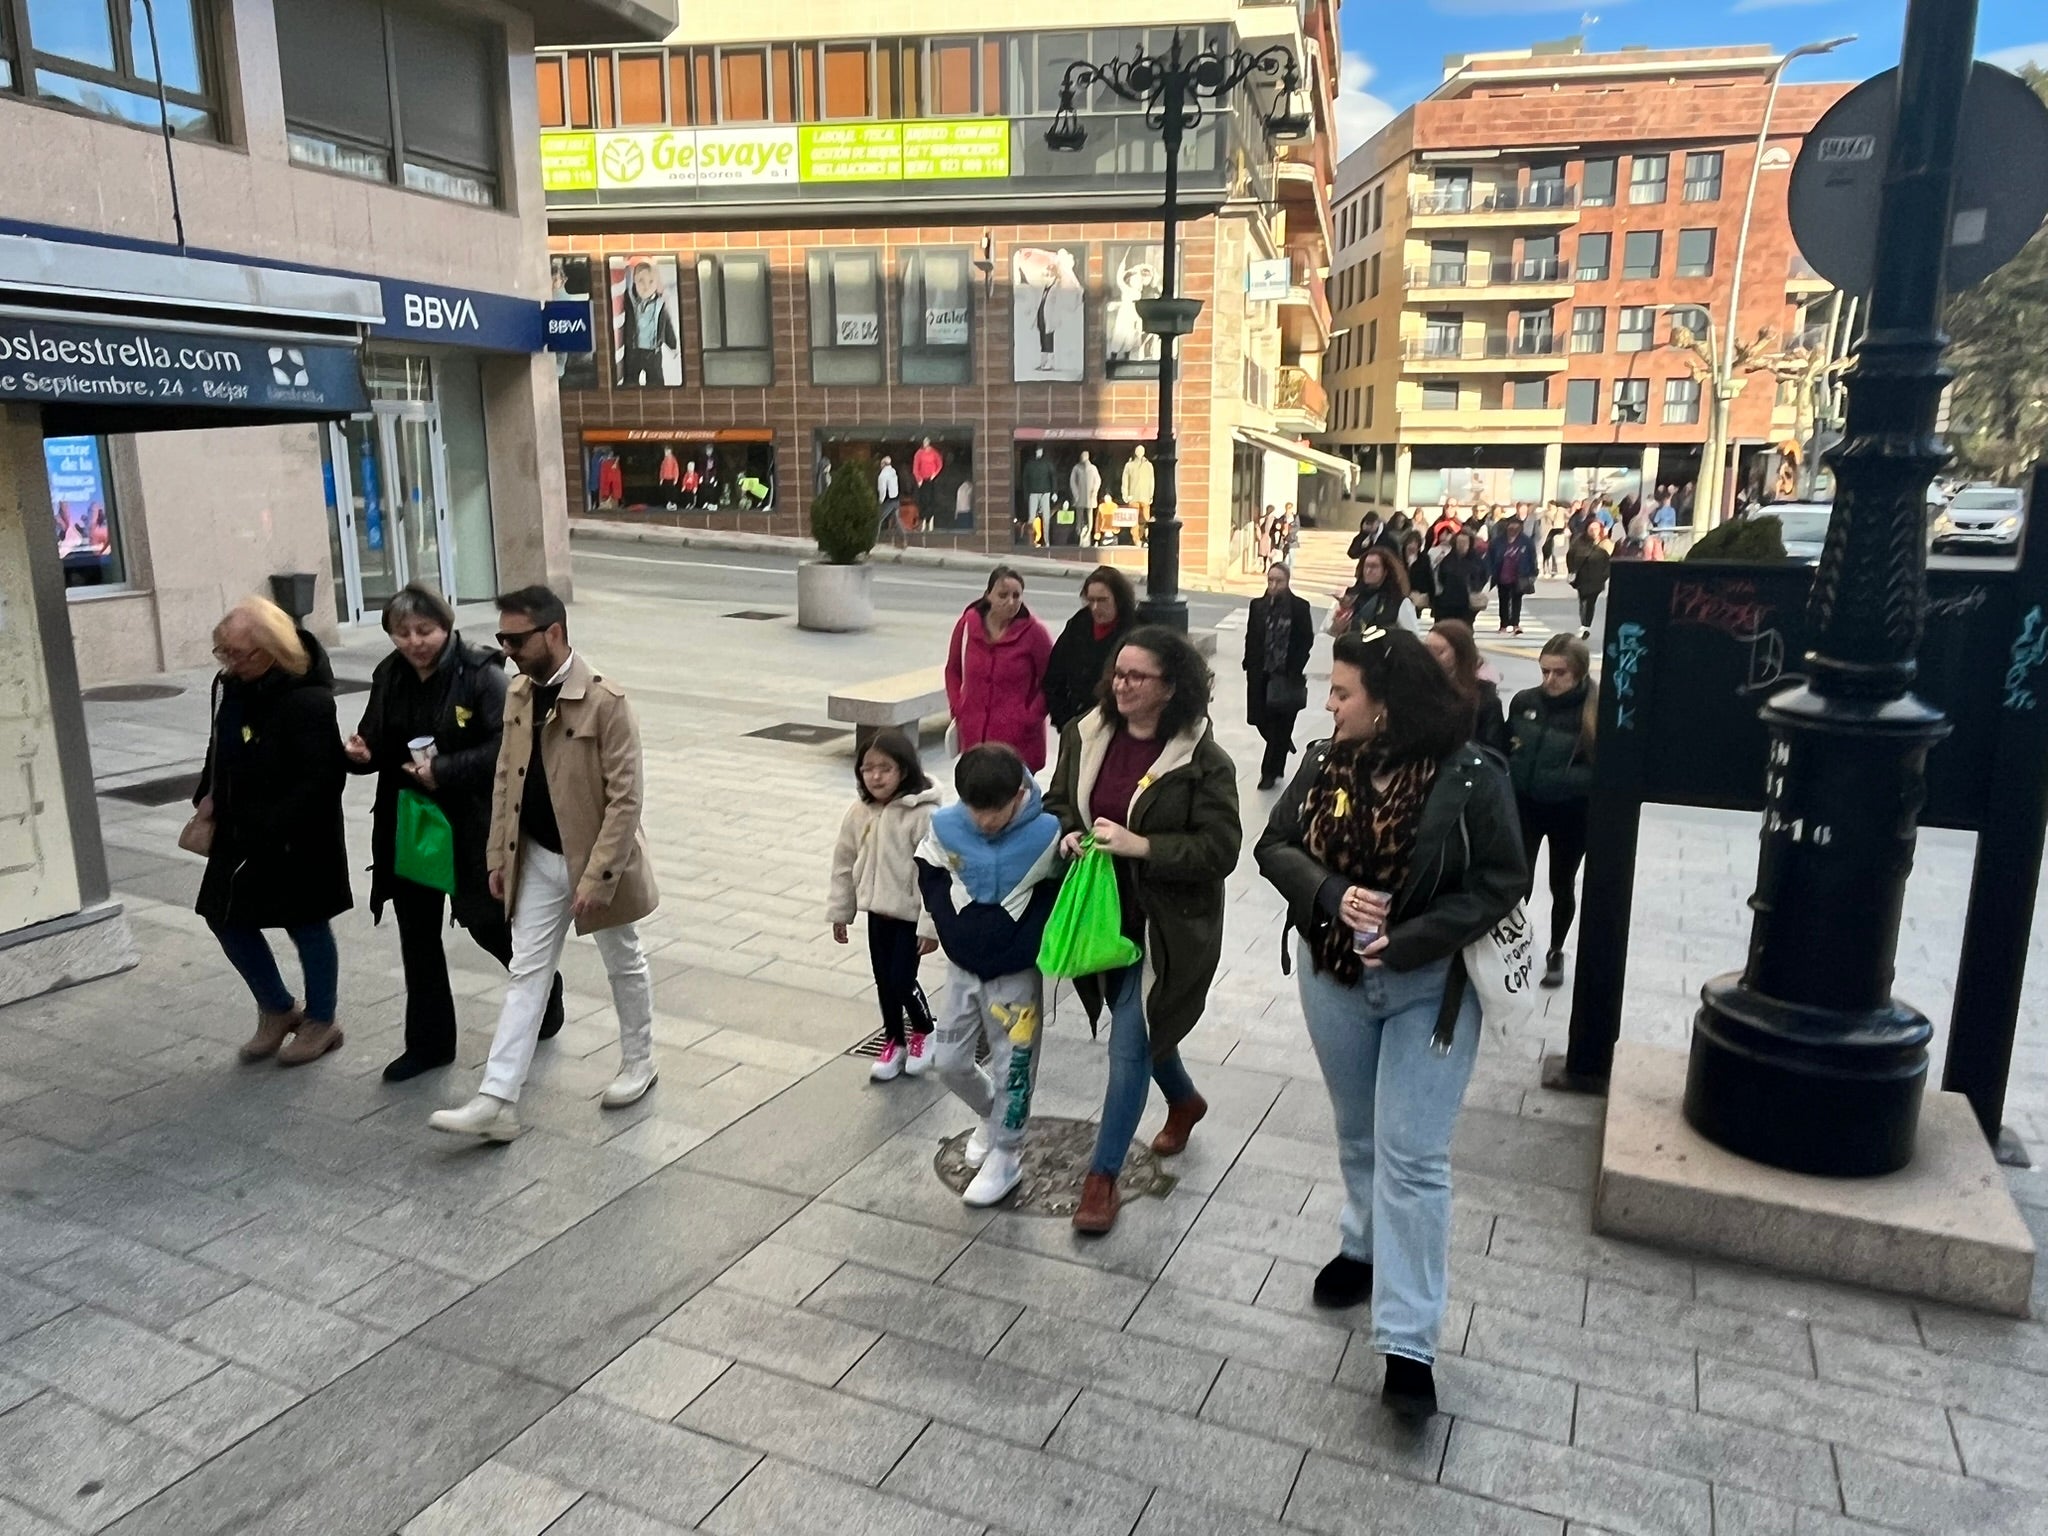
1163,603
1805,1060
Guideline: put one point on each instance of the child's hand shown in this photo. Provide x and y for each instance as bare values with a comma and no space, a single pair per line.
839,933
927,946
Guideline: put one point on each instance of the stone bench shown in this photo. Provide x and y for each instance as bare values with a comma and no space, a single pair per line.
903,700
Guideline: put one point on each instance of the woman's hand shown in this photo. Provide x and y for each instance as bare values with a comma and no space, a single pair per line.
423,774
839,933
1121,840
1370,955
357,749
927,947
1070,845
1365,911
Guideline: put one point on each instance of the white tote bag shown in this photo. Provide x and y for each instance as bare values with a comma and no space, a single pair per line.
1501,965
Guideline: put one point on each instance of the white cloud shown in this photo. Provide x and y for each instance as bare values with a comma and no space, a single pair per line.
1360,114
1774,5
2035,54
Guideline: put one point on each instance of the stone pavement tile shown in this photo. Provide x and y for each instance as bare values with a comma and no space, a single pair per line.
16,1521
1586,1253
1583,1488
779,1272
1813,1301
1975,1386
1619,1361
1265,1189
1848,1416
1209,1323
1167,1375
984,1395
403,1297
759,1051
1301,1112
2003,1453
55,1450
1980,1336
295,1260
1172,1514
282,1337
25,1307
1472,1190
593,1516
1918,1498
1514,1147
548,1208
477,1248
495,1498
33,1235
890,1303
801,1343
1738,1512
897,1178
658,1469
216,1411
1301,1239
73,1119
1333,1420
33,1169
153,1210
1290,1290
828,1430
657,1141
1216,1269
1311,1160
1169,1450
1782,1344
880,1242
1537,1292
327,1202
15,1390
656,1378
1014,1489
1146,1234
761,1005
105,1362
193,1155
1364,1501
1479,1390
1077,1290
1700,1445
779,1499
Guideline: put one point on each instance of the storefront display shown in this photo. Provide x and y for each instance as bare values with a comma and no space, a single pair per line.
1082,486
730,469
934,469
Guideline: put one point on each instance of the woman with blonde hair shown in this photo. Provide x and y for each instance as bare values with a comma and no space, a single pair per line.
1550,762
269,815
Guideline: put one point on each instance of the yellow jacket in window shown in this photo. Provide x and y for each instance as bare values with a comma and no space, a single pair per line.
590,747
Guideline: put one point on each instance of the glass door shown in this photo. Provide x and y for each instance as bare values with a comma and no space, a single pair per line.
417,493
388,498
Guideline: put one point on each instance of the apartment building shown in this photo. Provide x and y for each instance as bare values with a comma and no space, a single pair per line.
1517,250
826,234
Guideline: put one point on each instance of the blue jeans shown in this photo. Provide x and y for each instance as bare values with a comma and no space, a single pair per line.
249,952
1396,1105
1132,1071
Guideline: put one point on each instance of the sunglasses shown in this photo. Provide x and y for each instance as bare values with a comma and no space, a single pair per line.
513,639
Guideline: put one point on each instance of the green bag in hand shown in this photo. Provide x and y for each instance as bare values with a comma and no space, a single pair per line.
425,851
1084,936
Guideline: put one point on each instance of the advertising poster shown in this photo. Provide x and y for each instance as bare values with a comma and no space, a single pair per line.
1131,271
571,283
647,346
1048,303
78,499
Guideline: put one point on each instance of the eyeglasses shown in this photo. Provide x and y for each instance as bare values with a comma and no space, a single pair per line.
513,639
1132,679
227,655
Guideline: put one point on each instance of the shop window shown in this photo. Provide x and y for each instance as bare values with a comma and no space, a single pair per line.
743,85
933,464
95,56
733,302
846,317
82,503
646,471
848,80
1581,402
640,103
936,302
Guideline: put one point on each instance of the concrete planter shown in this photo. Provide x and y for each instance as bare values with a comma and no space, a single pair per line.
835,598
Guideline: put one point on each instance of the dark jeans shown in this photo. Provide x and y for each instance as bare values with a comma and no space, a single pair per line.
1132,1070
248,951
1511,607
429,1005
892,950
1588,603
1564,824
1279,733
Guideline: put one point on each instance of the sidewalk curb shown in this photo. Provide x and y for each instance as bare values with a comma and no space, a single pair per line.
787,544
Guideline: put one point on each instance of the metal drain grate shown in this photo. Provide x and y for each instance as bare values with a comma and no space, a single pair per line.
131,693
872,1047
801,734
165,791
756,613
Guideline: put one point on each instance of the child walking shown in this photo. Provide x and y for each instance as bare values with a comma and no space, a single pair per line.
874,871
989,870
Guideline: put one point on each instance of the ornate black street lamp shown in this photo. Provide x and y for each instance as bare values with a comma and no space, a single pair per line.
1177,92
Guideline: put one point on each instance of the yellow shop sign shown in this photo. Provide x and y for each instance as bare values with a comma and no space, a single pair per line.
815,153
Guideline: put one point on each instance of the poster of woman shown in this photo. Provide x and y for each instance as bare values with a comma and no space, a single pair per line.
1131,272
647,348
1048,293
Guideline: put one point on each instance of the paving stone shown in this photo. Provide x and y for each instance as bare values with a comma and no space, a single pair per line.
1146,1234
1215,1269
1700,1445
1484,1279
1077,1290
32,1235
1509,1196
902,1247
656,1378
1809,1301
2000,1340
495,1498
282,1337
25,1307
593,1516
799,1422
190,1154
1334,1420
54,1450
74,1119
1848,1416
658,1469
1016,1489
1171,1514
1584,1253
153,1210
951,1319
779,1499
136,1281
1921,1499
477,1248
1247,1333
1975,1386
1581,1487
216,1411
15,1390
1537,1151
1779,1343
1363,1501
1304,1239
1738,1512
327,1202
105,1362
1126,1364
1249,1471
897,1180
403,1297
1617,1360
2004,1453
1469,1388
16,1521
1265,1189
801,1343
294,1260
815,1131
777,1272
984,1395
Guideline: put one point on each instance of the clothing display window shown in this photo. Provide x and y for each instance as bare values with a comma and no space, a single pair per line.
732,470
933,471
1082,491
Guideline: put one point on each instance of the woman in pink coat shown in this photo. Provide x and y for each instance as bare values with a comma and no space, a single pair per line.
995,671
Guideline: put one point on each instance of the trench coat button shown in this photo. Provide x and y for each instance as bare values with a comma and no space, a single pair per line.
607,874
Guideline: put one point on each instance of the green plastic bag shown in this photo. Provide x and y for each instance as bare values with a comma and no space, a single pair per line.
1084,936
425,851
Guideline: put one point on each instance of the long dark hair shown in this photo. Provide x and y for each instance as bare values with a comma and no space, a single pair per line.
1426,718
1184,671
1120,590
1464,656
1396,583
901,751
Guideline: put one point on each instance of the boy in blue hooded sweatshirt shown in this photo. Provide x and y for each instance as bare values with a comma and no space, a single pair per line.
988,871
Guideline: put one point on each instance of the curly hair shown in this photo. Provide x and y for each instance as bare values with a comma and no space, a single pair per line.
1180,664
1426,717
1396,581
1118,585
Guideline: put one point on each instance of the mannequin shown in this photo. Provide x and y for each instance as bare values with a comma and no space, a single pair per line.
1137,484
925,465
1084,482
1037,479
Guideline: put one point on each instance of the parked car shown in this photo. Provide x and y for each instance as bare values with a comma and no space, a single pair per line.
1803,525
1981,520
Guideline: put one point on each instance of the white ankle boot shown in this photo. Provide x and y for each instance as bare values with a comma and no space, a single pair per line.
492,1119
631,1085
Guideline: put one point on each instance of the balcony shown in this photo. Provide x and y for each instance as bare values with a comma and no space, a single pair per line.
1497,353
1416,425
1801,278
1299,401
1453,282
1538,204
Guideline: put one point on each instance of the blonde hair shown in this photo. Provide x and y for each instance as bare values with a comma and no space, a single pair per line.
270,629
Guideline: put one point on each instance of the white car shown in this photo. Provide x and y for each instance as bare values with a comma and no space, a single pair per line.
1981,520
1802,524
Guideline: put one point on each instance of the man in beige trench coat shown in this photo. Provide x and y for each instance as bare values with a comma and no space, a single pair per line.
566,846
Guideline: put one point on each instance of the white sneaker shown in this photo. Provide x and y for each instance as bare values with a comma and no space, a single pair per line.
977,1147
998,1176
631,1085
888,1065
492,1119
917,1056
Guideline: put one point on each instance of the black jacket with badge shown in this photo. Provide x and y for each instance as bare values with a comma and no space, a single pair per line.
1547,760
1301,639
462,706
275,770
1073,672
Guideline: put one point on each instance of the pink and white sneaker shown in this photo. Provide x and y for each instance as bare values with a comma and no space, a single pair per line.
889,1065
919,1055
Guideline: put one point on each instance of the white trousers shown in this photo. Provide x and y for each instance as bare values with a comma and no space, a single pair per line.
541,921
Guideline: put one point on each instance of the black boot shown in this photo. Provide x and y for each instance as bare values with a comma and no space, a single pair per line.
551,1021
1553,969
1410,1390
408,1066
1343,1282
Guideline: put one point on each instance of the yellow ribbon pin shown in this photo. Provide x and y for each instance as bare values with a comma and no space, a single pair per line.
1343,805
462,716
248,735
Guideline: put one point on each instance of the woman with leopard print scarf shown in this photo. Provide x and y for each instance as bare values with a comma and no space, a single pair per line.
1396,845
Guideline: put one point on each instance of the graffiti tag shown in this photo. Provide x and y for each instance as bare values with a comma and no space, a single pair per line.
1626,655
2028,652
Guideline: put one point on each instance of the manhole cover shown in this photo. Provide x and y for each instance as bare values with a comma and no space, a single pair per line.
166,791
1057,1153
756,613
803,735
131,693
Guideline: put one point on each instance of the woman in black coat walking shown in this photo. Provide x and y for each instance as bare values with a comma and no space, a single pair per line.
1462,577
435,685
1073,673
1279,632
278,857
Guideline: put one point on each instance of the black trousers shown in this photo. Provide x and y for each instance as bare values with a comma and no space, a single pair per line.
1278,729
1564,825
892,950
1588,603
429,1005
1510,607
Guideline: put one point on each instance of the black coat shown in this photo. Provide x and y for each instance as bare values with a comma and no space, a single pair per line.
1422,582
1074,670
467,692
275,770
1301,639
1460,583
1490,723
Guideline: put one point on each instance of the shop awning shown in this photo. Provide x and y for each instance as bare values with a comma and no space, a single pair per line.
1314,458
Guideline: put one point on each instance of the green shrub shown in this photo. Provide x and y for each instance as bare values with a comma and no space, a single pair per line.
1758,540
846,518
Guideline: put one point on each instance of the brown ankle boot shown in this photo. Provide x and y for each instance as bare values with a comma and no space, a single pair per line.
1181,1118
309,1043
1099,1203
271,1028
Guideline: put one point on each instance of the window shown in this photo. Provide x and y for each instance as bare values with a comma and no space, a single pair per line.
1642,253
94,55
87,522
1689,317
1529,394
1631,401
846,317
1373,286
1703,177
733,302
1379,205
1372,341
1681,402
1546,186
1535,335
393,95
1439,394
1539,260
1596,184
1695,252
1595,251
742,85
1589,330
639,94
1649,178
847,78
1368,405
938,310
1581,402
1443,336
1638,329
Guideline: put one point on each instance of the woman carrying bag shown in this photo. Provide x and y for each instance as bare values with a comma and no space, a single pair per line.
1279,633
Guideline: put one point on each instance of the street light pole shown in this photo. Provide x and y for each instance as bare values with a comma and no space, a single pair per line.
1805,1060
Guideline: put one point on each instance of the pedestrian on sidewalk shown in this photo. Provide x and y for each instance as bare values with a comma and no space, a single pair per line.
1143,774
874,871
1421,572
435,685
1379,599
1367,537
1511,562
1555,539
271,792
989,871
889,493
1550,760
1456,650
995,670
1395,847
1074,669
1591,562
566,847
1279,633
1461,581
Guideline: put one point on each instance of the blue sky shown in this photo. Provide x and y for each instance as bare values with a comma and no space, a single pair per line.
1394,49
